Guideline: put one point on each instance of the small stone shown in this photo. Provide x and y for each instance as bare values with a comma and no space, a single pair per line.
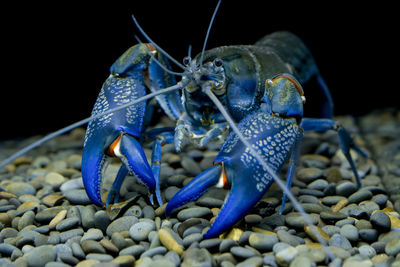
198,212
346,188
302,261
87,263
285,256
39,256
350,232
154,251
367,251
380,221
287,238
52,200
91,246
54,179
393,247
332,217
135,250
190,166
77,197
46,215
125,261
380,199
209,202
64,236
77,251
252,218
368,235
140,231
296,220
197,257
242,252
20,188
331,229
332,200
109,246
308,174
67,224
121,224
338,206
169,242
190,239
315,233
92,234
57,219
148,212
340,241
100,257
253,261
319,184
359,196
71,184
101,220
26,219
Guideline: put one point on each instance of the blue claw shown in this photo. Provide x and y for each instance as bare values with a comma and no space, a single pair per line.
195,188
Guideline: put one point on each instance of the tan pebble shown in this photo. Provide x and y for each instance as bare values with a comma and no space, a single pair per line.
87,263
29,205
314,246
380,258
234,234
22,160
215,211
58,218
124,260
51,200
311,232
169,242
393,216
10,167
108,245
54,179
5,218
341,204
7,195
262,231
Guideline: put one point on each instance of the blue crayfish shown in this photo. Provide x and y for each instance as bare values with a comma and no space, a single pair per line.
251,96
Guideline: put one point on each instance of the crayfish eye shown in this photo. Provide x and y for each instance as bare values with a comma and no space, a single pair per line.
186,61
217,62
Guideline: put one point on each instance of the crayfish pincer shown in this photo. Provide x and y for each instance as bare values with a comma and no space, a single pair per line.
250,96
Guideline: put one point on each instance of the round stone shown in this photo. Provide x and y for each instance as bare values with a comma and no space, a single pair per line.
92,234
121,224
140,231
285,256
368,235
77,197
308,174
198,212
319,184
359,196
346,188
380,221
154,251
67,224
296,220
340,241
350,232
393,247
39,256
20,188
91,246
135,250
367,251
242,252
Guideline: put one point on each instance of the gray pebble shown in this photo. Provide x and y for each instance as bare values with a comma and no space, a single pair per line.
269,260
101,220
379,247
359,196
87,216
148,212
345,188
99,257
67,224
62,249
26,219
189,239
350,232
20,188
39,256
242,252
92,234
69,259
331,200
210,244
344,222
41,240
173,257
367,251
319,184
331,229
77,197
197,212
393,247
380,199
209,202
121,224
279,246
135,210
54,239
368,235
190,166
64,236
46,215
296,220
284,236
170,192
308,174
253,261
380,221
7,249
134,250
72,184
226,245
161,262
358,213
77,251
197,257
340,241
154,251
140,230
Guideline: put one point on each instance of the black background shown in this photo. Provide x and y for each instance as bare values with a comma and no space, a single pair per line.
56,57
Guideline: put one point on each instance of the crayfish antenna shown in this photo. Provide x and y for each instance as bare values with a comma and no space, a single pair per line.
208,30
155,45
292,198
68,128
157,61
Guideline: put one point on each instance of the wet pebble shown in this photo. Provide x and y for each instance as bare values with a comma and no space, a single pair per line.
77,197
337,240
134,250
380,221
39,256
393,247
350,232
242,252
345,188
67,224
140,230
359,196
154,251
20,188
121,224
198,212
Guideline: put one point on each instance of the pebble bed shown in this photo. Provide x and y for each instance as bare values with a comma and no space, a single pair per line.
46,218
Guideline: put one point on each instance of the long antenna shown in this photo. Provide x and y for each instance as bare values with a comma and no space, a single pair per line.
21,152
208,31
155,45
